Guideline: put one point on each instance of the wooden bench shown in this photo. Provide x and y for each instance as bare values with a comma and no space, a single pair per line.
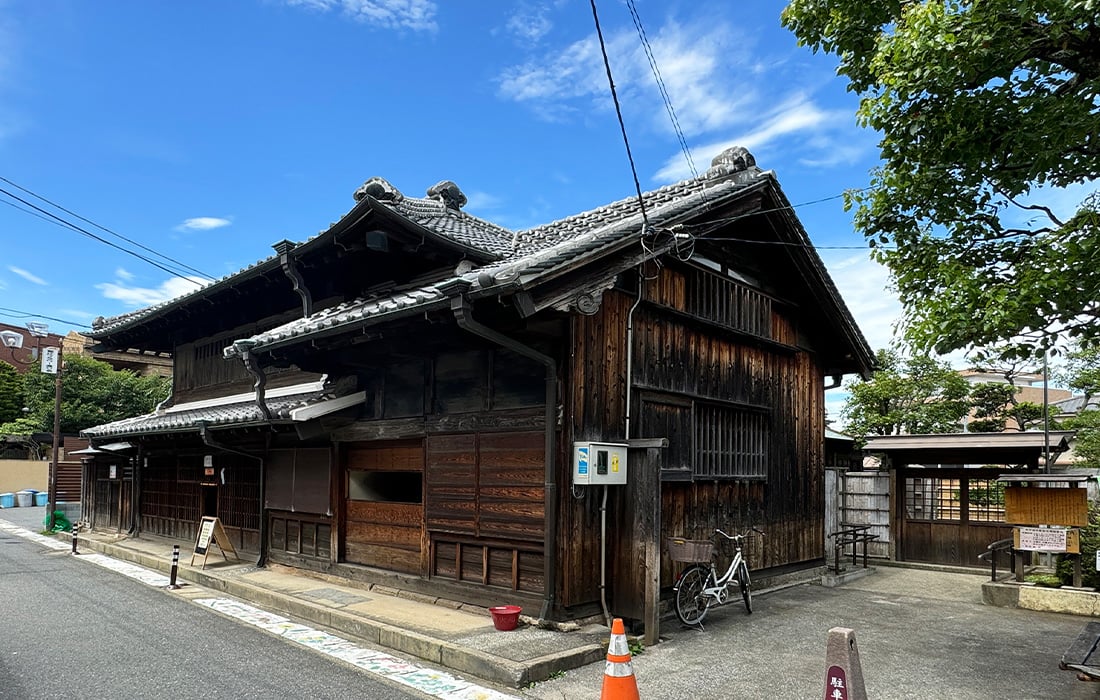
1083,655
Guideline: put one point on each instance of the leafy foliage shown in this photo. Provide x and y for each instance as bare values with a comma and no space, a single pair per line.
1086,444
11,393
997,409
92,393
914,394
983,107
1090,542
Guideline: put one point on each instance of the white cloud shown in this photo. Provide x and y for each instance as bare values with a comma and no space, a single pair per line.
697,65
866,288
797,114
27,275
144,296
418,15
529,23
203,223
482,201
712,74
77,313
123,274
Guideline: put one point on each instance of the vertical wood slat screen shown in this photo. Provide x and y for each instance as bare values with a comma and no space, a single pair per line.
731,304
730,443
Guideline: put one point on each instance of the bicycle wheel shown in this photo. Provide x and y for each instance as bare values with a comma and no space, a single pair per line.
746,593
691,604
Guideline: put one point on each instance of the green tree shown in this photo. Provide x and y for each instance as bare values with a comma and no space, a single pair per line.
983,107
914,394
11,393
997,409
1082,374
92,393
1082,371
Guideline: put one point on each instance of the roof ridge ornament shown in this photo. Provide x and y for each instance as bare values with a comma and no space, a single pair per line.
734,163
447,192
379,189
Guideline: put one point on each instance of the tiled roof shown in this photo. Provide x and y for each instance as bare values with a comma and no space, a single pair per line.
535,251
238,413
455,225
358,311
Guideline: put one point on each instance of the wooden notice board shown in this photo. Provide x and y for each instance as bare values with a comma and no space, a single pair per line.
1025,505
211,533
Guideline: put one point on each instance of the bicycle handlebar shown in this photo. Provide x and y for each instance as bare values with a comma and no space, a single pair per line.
740,536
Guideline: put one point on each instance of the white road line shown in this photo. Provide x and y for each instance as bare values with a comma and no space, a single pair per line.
438,684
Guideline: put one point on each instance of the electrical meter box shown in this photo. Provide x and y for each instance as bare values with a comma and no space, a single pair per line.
596,463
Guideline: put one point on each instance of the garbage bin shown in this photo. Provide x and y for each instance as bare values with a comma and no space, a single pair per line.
24,499
40,498
7,500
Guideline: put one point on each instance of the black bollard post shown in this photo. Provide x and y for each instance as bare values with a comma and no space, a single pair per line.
172,585
75,528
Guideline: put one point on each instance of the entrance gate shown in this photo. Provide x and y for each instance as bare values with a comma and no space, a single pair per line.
949,516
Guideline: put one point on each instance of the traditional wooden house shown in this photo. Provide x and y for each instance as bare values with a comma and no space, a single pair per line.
398,398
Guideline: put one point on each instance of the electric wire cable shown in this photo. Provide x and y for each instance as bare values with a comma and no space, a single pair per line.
661,86
619,114
89,234
55,205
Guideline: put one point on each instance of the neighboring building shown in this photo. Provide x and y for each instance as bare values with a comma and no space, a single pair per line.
24,357
398,398
141,363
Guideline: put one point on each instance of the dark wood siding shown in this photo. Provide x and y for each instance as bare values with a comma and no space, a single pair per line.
486,485
691,351
485,508
387,535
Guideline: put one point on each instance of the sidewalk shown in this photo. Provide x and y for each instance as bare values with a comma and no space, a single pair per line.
457,637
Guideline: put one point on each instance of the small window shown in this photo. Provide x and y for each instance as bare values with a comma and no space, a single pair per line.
731,443
386,486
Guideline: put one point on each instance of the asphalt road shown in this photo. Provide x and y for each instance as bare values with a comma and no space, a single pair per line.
71,629
921,635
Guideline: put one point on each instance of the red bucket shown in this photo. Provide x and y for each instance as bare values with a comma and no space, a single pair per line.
505,617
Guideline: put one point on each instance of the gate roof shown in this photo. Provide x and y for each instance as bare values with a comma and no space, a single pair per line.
968,448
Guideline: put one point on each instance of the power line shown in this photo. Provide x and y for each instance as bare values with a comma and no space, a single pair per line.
661,86
106,230
619,114
16,313
89,234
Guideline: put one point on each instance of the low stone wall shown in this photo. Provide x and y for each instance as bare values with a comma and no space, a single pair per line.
19,474
1074,601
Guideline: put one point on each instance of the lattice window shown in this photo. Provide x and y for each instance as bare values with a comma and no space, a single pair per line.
729,303
931,498
731,443
986,500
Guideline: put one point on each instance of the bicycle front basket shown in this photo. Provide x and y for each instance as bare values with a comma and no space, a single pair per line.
683,550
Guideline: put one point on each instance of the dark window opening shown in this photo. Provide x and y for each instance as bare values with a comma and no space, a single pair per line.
386,486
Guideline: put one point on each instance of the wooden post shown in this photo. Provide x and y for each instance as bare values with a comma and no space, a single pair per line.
646,475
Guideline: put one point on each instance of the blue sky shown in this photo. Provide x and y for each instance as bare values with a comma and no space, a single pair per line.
210,130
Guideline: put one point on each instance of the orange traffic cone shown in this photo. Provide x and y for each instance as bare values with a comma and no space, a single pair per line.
618,676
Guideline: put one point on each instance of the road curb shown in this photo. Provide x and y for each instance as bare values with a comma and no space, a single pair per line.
444,653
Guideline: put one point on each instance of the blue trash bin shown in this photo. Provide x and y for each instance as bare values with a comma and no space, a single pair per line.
40,498
7,500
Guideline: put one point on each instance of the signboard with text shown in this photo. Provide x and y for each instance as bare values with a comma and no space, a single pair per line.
1047,539
50,360
211,533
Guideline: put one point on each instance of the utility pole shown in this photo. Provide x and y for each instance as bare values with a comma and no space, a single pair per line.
51,364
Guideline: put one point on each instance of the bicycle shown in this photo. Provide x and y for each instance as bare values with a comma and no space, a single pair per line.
698,587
